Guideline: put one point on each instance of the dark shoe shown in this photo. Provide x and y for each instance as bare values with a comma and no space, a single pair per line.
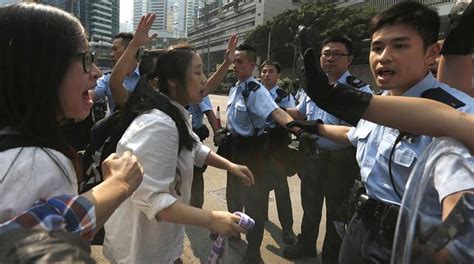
252,260
213,236
288,236
235,238
300,250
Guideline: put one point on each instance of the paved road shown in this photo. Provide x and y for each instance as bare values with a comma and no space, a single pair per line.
197,244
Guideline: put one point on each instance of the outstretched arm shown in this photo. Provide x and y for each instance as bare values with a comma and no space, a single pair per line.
221,72
215,160
128,60
421,116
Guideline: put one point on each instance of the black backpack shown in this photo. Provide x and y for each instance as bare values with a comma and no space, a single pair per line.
104,136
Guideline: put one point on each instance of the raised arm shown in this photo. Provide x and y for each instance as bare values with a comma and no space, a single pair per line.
128,59
214,81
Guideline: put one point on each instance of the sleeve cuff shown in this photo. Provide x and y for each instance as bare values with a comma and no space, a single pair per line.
160,202
201,154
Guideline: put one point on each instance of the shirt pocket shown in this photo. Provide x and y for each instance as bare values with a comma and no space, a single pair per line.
403,155
241,114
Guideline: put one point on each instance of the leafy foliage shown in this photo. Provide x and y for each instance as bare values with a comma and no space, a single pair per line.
323,19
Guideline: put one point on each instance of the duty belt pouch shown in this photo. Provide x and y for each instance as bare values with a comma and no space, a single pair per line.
202,132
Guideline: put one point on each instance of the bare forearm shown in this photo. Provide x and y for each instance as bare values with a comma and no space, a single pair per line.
215,160
125,64
214,81
335,133
421,116
180,213
293,112
283,118
106,197
211,117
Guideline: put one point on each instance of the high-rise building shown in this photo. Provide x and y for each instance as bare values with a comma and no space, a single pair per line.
158,7
100,19
172,17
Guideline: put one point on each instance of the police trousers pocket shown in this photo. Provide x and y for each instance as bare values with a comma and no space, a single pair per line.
225,149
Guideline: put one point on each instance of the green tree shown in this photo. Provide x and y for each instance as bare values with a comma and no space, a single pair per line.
323,20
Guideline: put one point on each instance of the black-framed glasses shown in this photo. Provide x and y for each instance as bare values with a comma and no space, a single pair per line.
336,55
87,60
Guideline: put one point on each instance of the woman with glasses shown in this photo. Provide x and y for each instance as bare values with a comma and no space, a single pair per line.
47,70
149,227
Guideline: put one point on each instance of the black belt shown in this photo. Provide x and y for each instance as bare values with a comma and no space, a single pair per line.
241,141
377,216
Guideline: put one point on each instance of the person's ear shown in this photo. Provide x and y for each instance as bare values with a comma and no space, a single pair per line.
432,52
172,83
350,58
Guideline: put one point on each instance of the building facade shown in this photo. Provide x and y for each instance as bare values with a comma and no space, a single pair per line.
217,20
100,19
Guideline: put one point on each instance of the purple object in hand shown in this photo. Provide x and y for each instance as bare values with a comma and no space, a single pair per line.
217,250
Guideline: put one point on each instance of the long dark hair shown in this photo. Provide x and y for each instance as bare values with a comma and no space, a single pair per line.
37,45
173,64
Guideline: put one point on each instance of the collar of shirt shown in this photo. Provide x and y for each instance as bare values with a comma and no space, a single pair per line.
242,84
343,78
416,90
136,72
273,91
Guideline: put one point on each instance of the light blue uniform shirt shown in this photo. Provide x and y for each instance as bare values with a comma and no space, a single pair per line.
310,109
102,88
287,102
197,111
375,142
243,116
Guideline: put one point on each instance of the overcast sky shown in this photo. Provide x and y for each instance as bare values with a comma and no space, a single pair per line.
126,10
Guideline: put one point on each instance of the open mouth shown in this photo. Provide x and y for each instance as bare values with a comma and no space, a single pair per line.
385,73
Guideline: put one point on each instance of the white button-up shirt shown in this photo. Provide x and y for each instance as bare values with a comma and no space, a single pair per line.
133,235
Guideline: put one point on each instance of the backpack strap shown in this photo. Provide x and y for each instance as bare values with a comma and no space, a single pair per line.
10,141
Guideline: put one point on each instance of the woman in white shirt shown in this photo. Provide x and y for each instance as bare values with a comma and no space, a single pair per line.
149,226
47,70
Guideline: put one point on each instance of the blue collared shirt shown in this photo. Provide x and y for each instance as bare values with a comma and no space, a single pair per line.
310,109
287,102
375,142
247,117
197,111
103,89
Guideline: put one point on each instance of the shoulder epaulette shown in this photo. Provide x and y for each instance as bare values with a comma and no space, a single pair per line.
252,86
355,82
442,96
281,94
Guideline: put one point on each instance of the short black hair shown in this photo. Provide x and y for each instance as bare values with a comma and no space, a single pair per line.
126,36
250,51
418,16
276,64
339,39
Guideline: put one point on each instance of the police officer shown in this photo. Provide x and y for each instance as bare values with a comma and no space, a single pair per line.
102,90
278,152
403,46
248,108
329,170
197,113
